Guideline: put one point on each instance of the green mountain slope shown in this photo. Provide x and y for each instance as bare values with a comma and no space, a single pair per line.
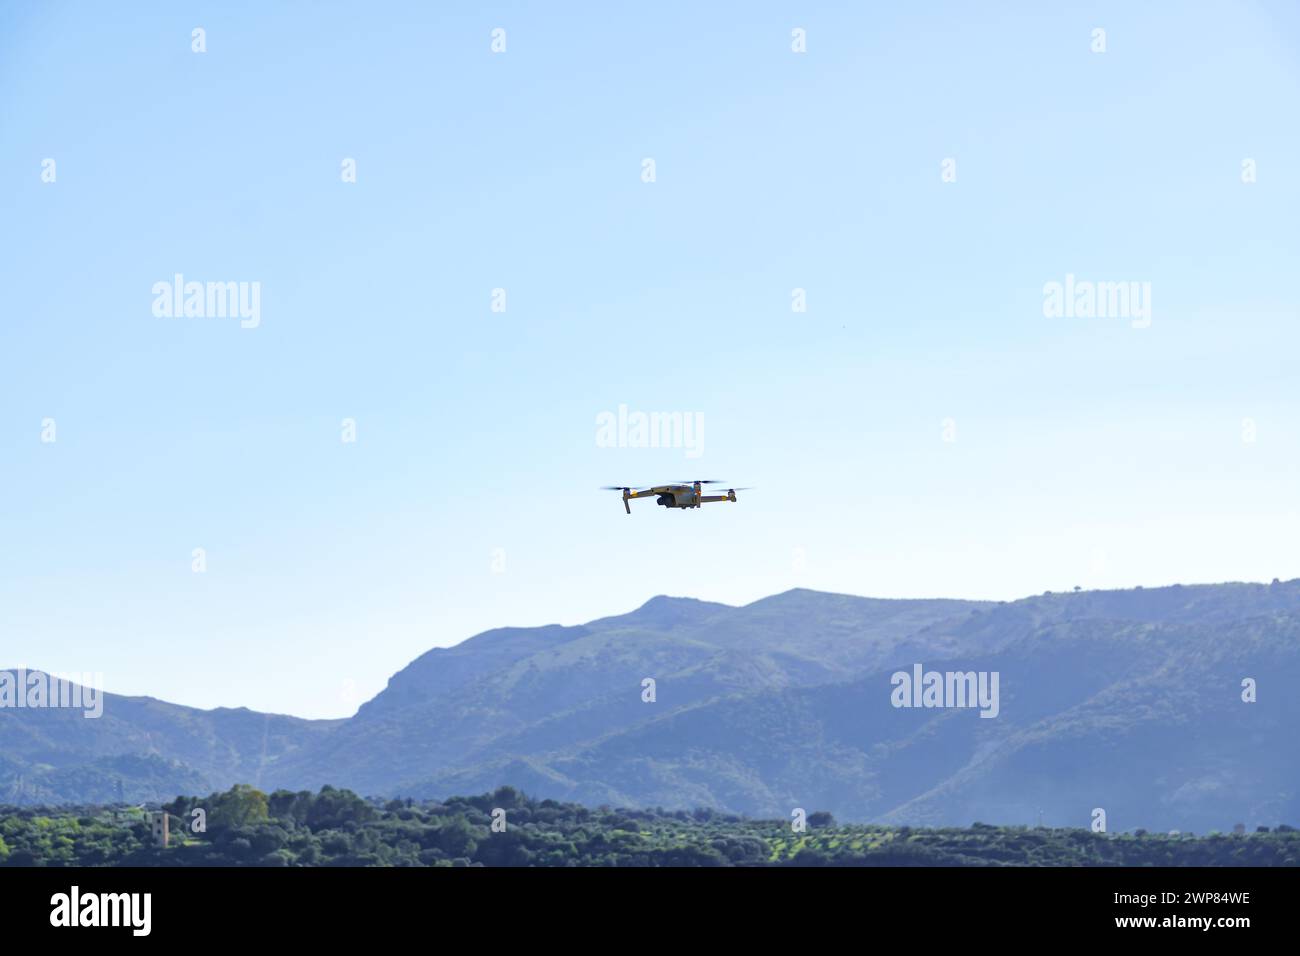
1125,700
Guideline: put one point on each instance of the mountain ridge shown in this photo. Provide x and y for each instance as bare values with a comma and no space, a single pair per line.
784,699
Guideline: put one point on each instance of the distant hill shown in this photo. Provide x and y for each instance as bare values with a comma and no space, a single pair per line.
140,749
1129,701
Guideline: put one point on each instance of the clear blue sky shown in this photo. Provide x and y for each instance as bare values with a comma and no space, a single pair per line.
1087,452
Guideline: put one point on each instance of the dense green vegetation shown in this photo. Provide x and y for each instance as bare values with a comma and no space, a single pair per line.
245,827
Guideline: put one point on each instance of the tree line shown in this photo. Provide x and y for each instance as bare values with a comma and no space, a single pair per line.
246,827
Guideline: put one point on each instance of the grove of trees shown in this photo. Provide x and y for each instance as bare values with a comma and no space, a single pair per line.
245,827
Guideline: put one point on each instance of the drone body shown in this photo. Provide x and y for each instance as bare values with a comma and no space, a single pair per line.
680,495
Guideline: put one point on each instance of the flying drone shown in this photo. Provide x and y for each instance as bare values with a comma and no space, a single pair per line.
686,494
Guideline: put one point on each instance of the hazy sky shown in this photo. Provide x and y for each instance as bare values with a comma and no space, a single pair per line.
922,429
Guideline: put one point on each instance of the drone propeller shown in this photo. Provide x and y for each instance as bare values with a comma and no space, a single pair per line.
704,481
749,488
627,493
